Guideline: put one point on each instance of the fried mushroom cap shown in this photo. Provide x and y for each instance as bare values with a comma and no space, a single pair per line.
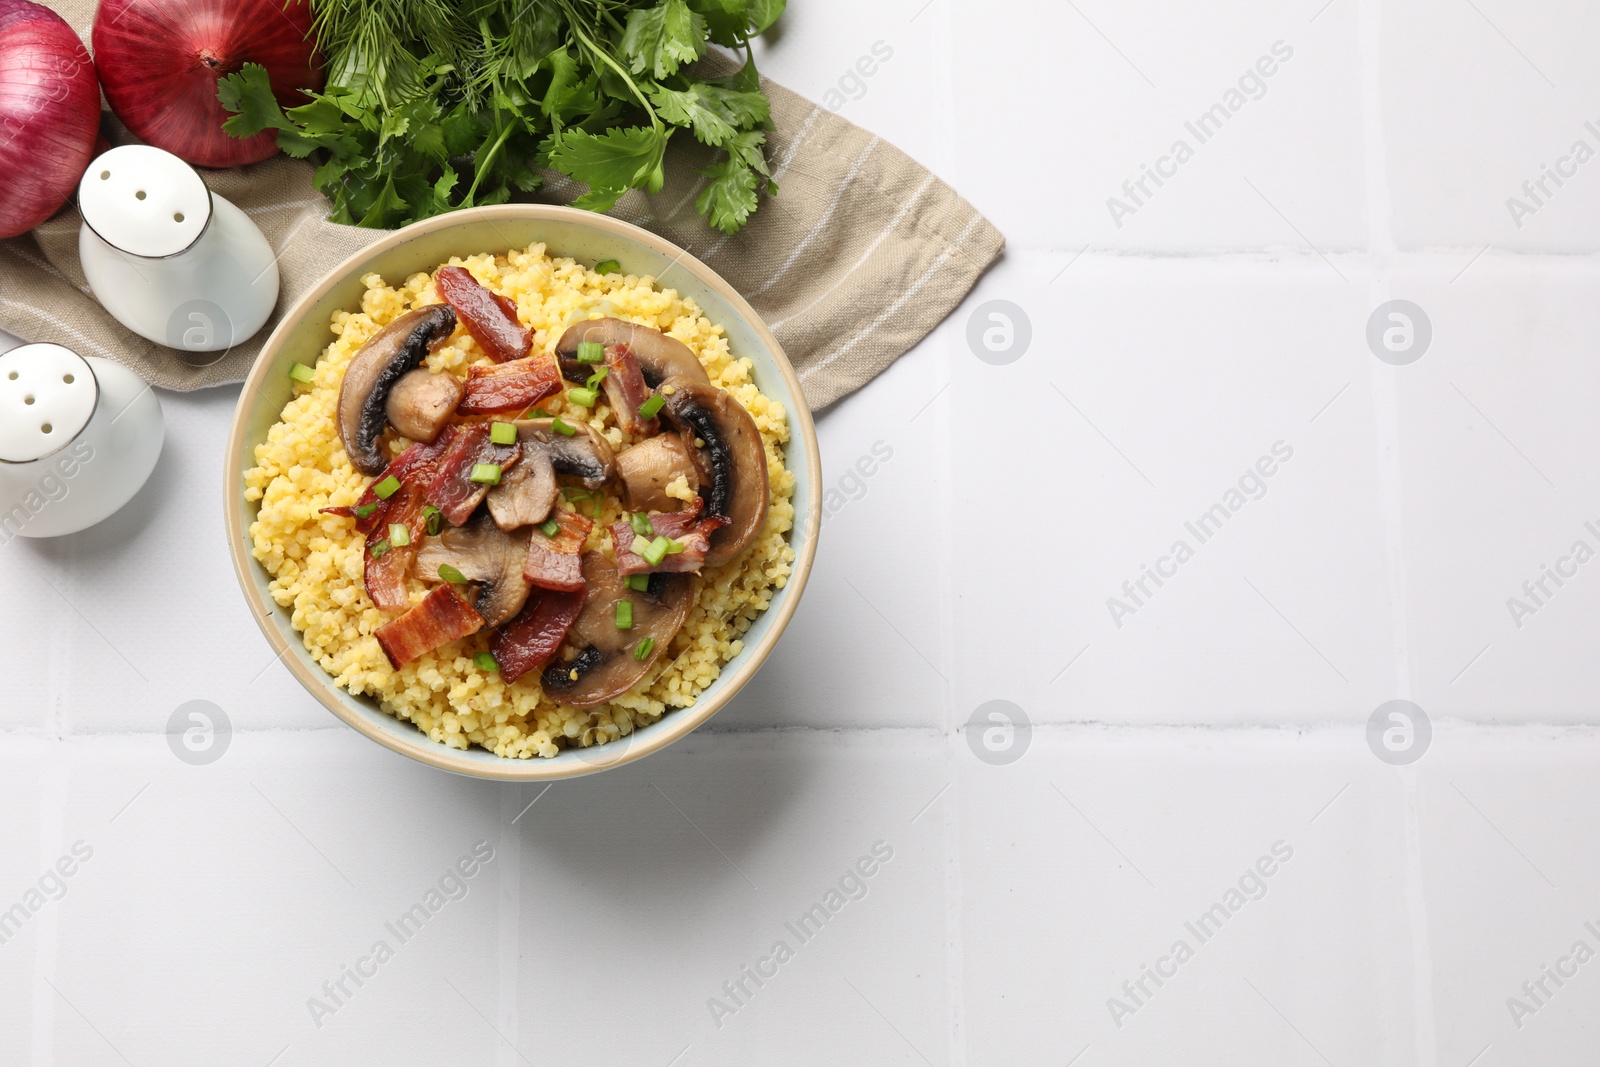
650,466
660,357
730,457
607,664
421,403
377,366
486,556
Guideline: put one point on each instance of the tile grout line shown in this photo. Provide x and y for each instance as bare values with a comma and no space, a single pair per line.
53,775
954,901
508,856
1425,1046
1380,239
949,808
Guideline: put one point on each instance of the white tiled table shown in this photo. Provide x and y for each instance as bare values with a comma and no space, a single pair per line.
1173,747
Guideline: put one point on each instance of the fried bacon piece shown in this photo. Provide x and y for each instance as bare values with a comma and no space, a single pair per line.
490,318
555,562
512,386
387,563
536,634
452,489
685,527
626,390
443,616
414,467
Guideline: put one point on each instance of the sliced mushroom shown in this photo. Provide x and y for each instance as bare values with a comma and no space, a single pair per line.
485,555
607,664
650,466
731,459
585,455
421,403
526,491
388,356
660,357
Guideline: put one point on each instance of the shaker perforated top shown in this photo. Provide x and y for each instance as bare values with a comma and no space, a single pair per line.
144,201
47,396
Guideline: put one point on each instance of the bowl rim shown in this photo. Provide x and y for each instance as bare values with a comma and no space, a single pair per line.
676,724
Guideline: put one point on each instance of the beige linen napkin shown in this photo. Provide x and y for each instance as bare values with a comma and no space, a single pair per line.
862,252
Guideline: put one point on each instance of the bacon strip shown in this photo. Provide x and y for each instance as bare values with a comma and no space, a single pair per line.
490,318
414,466
443,616
510,386
626,390
385,575
685,527
554,562
452,489
535,635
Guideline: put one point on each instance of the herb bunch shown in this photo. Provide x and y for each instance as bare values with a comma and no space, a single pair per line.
434,105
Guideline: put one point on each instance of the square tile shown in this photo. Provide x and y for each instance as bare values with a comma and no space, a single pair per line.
1076,106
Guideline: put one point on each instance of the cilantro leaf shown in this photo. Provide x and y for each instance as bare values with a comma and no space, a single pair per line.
746,148
249,93
726,20
662,38
763,13
612,162
713,112
731,196
385,205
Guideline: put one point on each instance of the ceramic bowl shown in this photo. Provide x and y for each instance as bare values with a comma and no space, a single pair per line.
302,335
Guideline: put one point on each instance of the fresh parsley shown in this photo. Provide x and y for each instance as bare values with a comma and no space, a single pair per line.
433,105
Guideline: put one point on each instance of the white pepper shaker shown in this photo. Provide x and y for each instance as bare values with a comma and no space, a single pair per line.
79,436
167,257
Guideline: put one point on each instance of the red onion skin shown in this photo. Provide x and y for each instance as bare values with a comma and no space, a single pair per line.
161,61
49,114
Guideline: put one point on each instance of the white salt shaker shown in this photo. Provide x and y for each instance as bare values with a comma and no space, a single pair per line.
79,435
168,258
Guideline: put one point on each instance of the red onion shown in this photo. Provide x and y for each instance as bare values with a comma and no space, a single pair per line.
161,61
49,114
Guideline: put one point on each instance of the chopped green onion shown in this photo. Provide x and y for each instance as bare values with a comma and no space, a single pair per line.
301,373
572,492
486,473
451,575
644,648
597,377
655,551
503,433
551,528
608,266
583,397
624,614
639,583
641,524
387,488
562,428
648,409
379,549
399,534
591,352
364,511
485,662
674,547
534,413
433,518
